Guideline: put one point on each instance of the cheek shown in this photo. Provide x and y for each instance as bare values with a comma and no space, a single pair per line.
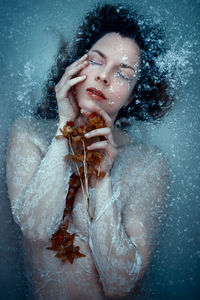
81,86
89,70
79,91
120,89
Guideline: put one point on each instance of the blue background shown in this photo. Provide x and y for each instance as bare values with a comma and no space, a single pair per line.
29,42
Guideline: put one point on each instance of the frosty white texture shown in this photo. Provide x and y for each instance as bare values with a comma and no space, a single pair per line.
36,180
123,233
120,240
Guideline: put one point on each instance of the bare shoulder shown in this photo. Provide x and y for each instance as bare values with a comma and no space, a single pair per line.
137,157
35,131
28,124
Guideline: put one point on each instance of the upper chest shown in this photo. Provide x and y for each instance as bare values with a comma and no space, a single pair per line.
79,220
79,216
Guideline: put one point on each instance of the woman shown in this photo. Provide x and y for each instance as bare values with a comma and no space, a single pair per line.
114,79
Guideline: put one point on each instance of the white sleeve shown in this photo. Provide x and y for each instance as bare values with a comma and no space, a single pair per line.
119,237
36,184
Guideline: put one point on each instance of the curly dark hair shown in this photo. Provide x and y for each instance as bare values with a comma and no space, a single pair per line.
151,99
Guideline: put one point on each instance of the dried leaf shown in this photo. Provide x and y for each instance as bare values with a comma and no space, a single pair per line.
58,137
62,242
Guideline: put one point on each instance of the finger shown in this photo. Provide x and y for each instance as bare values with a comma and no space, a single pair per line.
73,102
73,82
106,146
78,61
106,131
71,74
106,117
97,109
70,83
71,70
76,69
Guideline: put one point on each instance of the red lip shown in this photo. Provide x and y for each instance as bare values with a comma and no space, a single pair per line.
96,94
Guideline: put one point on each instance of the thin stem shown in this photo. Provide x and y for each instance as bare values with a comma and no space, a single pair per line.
86,179
71,148
96,191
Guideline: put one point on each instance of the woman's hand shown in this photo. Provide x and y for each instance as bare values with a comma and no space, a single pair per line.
108,145
68,108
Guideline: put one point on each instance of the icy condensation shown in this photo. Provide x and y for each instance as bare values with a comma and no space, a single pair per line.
119,242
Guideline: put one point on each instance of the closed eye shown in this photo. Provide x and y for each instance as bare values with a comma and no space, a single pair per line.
93,62
123,76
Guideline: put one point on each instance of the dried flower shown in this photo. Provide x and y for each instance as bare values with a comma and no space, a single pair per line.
89,164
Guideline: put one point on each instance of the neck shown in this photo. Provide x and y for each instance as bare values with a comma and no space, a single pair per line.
120,137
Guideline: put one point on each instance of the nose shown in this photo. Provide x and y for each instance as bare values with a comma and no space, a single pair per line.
102,77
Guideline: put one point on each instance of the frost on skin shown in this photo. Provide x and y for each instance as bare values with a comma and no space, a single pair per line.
113,58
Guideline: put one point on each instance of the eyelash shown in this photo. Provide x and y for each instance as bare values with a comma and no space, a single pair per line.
124,77
96,63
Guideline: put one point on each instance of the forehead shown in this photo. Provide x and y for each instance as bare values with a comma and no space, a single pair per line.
115,45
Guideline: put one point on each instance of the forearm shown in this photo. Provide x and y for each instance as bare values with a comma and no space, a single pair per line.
114,254
39,208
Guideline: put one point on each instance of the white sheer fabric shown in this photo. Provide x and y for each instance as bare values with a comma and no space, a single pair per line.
36,184
117,244
123,232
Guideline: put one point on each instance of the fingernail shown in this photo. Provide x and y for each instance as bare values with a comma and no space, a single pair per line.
83,76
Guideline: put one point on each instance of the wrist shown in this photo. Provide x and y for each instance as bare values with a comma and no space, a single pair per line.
60,126
64,118
61,123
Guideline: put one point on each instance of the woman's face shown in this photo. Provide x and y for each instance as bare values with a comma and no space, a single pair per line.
112,73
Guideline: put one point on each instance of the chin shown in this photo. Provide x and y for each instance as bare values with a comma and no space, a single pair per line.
86,105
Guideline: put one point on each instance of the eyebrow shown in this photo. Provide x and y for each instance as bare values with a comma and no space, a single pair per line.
100,53
123,65
126,66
